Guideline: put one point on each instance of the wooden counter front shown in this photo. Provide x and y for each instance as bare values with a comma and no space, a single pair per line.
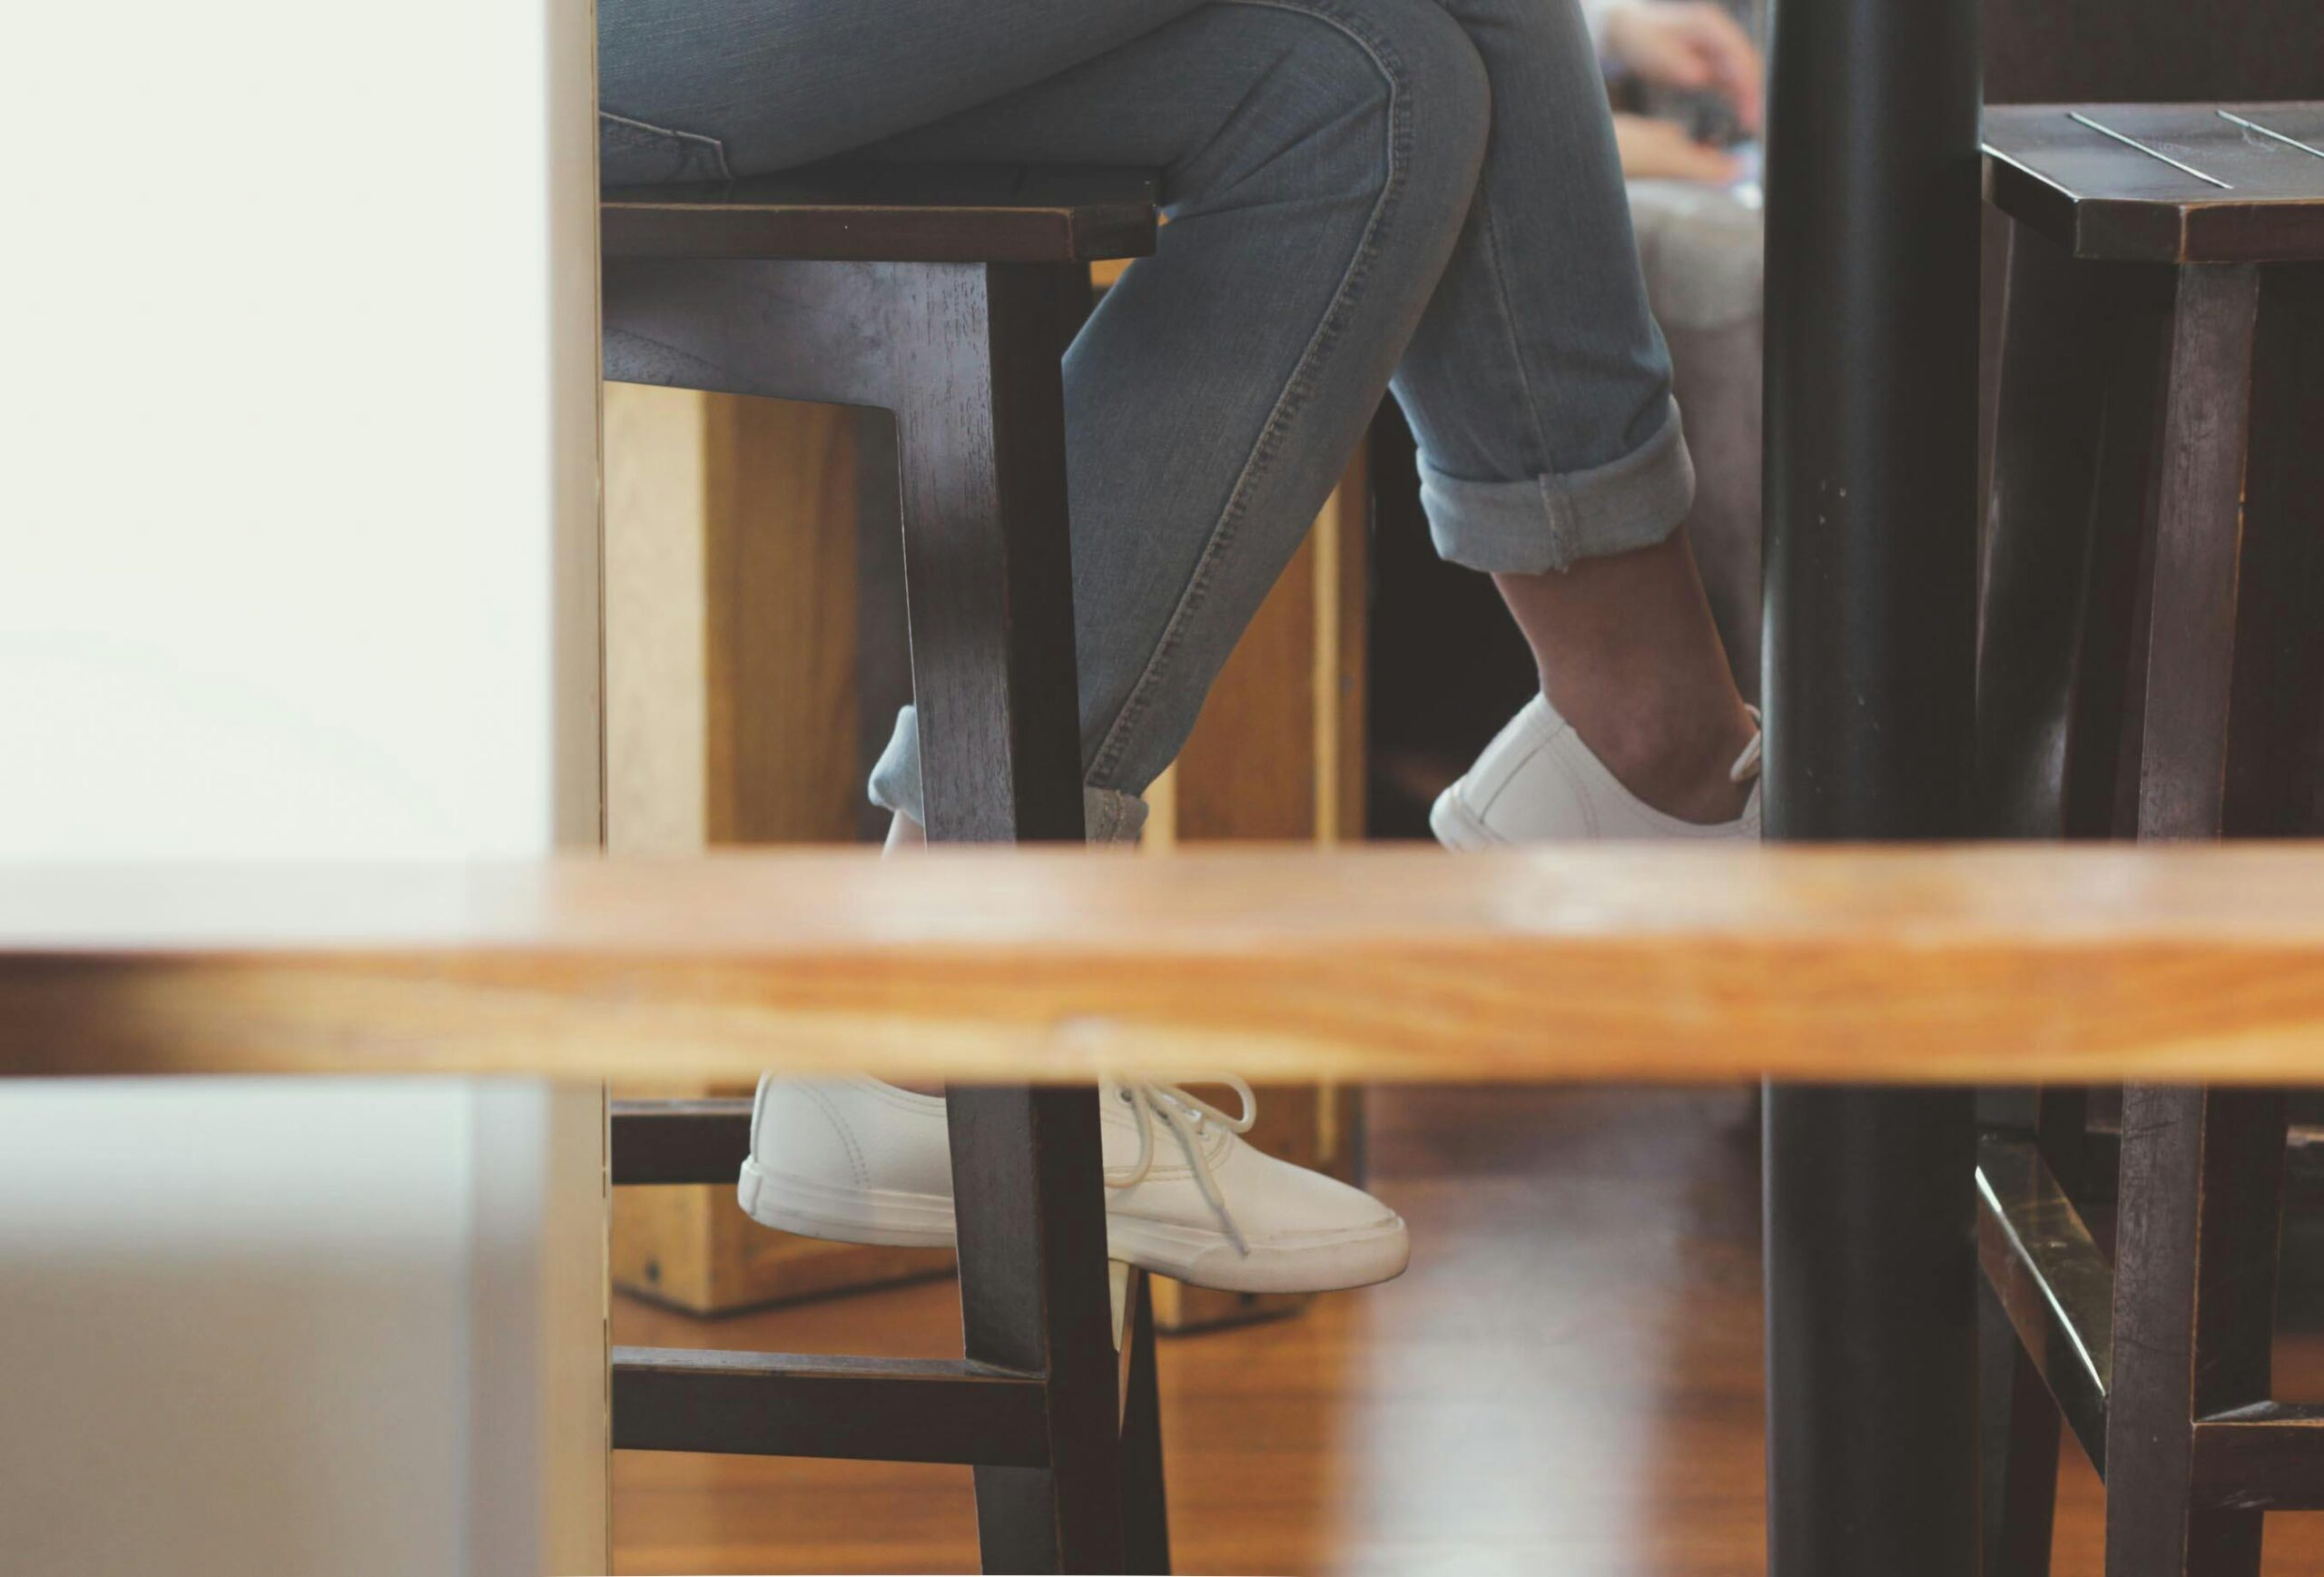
2003,964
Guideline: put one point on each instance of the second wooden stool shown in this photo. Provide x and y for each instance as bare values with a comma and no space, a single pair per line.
2152,666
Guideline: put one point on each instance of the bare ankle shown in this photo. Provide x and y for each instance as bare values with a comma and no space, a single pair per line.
1630,656
1675,754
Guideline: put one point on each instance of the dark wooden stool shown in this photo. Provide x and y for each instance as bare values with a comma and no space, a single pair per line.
947,295
2151,666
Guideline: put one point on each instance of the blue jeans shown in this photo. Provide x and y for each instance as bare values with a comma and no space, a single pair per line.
1420,195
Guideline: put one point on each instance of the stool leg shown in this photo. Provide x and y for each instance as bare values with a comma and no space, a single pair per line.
2194,1268
989,587
2194,1305
2272,771
2020,1426
2019,1419
1031,1213
1145,1508
2075,423
2051,400
2198,541
987,564
2102,777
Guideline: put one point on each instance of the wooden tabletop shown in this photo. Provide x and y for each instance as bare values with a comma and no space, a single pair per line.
1644,964
2177,184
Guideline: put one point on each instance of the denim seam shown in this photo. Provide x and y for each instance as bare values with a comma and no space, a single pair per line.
1297,389
1509,326
716,145
1557,509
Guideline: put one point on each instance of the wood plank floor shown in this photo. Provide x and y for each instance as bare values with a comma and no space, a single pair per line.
1567,1382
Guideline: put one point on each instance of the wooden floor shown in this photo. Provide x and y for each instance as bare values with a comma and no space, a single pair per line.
1566,1382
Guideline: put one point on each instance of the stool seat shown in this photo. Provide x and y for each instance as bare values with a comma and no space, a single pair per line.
866,212
2166,184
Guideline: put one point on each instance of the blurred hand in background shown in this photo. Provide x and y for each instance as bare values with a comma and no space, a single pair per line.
1693,45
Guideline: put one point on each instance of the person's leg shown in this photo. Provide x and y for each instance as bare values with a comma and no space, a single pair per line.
1630,656
1212,400
763,86
1317,158
1551,450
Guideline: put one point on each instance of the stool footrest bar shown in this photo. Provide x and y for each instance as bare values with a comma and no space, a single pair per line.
812,1404
2057,1286
678,1141
2266,1457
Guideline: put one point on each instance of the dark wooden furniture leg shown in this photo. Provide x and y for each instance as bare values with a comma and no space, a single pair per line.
2100,767
1870,659
2201,1169
2194,1306
2020,1423
2198,539
2074,424
988,567
2051,410
1032,1245
2274,776
2053,638
1145,1519
989,585
2020,1427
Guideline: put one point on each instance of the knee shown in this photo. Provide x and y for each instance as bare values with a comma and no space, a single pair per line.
1439,81
1393,89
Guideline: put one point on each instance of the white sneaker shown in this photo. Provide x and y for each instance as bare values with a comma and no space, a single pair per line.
858,1161
1536,782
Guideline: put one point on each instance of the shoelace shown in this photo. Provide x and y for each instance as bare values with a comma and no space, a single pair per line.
1746,766
1187,1115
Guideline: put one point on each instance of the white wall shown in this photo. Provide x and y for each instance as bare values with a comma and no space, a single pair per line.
298,558
300,384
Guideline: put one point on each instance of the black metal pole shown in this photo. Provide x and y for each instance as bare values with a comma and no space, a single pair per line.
1871,549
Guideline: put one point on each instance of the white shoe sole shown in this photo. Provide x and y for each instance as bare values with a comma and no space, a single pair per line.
1457,826
1322,1261
884,1216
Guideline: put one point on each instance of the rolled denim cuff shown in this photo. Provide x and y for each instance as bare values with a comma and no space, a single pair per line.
1110,816
1554,522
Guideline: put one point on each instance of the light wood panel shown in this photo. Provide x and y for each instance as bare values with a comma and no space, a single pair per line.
1649,964
694,1249
657,606
779,632
731,621
731,533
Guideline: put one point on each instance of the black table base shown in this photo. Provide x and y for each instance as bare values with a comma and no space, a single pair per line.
1873,213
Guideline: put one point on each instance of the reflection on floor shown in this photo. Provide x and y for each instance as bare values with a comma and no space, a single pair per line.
1566,1382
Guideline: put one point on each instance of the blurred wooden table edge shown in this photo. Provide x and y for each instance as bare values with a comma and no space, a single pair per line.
1644,964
